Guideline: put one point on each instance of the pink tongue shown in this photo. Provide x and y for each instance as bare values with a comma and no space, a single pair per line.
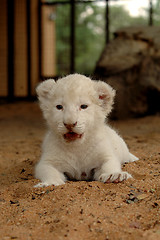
71,136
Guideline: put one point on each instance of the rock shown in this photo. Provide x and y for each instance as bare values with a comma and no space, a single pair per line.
131,64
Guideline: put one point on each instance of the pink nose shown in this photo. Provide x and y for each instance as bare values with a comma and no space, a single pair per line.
83,174
70,126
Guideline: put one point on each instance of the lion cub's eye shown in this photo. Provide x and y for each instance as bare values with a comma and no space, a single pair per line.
84,106
59,107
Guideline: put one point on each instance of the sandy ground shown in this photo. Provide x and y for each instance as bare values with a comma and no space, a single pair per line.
77,210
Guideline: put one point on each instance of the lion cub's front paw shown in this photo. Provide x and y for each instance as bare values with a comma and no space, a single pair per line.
42,184
46,184
114,177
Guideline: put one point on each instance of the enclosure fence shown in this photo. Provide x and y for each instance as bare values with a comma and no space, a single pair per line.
30,37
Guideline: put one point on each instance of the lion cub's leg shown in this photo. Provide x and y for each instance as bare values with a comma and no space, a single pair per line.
111,171
48,175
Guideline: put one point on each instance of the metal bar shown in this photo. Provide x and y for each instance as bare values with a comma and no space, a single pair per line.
107,21
10,9
72,36
150,13
28,48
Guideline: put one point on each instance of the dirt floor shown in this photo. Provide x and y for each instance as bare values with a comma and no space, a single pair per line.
77,210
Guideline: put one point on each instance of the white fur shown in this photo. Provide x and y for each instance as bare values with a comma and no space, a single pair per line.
96,151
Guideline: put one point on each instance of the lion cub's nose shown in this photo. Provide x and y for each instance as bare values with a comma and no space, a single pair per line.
70,126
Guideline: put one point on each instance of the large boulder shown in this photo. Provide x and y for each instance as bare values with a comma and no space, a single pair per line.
131,64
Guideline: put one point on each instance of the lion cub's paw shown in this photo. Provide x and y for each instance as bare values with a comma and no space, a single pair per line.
114,177
42,184
46,184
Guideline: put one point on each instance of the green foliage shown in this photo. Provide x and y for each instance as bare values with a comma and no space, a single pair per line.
63,39
90,33
156,12
89,36
120,17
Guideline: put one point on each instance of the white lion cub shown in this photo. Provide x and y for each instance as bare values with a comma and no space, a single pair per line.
79,145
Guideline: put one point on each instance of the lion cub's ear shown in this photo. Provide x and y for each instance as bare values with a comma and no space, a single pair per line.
44,89
106,95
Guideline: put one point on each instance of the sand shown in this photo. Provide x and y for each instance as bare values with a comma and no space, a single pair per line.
77,210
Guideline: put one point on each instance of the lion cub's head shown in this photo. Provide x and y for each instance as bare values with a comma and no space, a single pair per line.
75,106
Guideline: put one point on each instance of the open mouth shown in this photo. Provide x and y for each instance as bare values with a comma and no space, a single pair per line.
71,136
